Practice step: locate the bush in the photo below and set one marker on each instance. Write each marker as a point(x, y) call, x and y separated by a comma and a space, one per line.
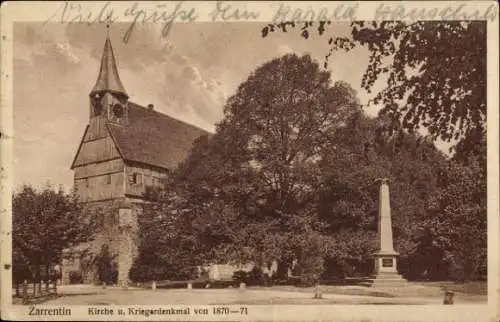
point(142, 271)
point(283, 281)
point(256, 276)
point(114, 276)
point(223, 284)
point(307, 280)
point(75, 277)
point(311, 270)
point(241, 276)
point(105, 265)
point(137, 273)
point(145, 273)
point(457, 273)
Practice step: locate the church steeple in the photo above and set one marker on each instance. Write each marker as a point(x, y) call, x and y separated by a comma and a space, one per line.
point(108, 79)
point(108, 99)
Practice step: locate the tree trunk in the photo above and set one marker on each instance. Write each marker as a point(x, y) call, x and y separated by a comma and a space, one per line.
point(36, 279)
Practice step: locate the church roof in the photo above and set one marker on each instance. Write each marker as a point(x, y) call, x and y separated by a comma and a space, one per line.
point(108, 79)
point(154, 138)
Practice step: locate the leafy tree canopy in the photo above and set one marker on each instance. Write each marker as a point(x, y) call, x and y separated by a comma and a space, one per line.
point(435, 71)
point(289, 176)
point(43, 224)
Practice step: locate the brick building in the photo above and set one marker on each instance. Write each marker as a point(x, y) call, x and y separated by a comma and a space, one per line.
point(125, 148)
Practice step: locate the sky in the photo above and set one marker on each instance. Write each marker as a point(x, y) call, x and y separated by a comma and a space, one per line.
point(188, 75)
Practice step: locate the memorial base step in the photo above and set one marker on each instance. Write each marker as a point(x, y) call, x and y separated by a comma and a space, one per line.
point(385, 280)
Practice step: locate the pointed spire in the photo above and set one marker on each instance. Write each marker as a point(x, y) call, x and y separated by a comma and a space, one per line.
point(108, 79)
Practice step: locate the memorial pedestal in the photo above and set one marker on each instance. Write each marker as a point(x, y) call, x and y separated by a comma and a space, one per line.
point(386, 273)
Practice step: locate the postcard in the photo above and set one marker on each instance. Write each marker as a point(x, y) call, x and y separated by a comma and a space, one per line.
point(250, 161)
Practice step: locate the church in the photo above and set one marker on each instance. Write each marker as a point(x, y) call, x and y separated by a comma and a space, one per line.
point(125, 148)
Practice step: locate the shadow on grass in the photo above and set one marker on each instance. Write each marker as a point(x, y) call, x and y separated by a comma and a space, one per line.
point(471, 288)
point(380, 294)
point(78, 294)
point(33, 301)
point(43, 299)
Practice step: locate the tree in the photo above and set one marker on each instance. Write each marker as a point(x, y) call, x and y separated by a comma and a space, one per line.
point(169, 246)
point(43, 224)
point(289, 176)
point(348, 205)
point(249, 190)
point(454, 227)
point(433, 80)
point(275, 128)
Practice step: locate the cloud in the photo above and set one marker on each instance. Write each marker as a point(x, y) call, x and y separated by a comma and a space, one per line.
point(285, 49)
point(191, 73)
point(205, 95)
point(44, 46)
point(188, 89)
point(179, 59)
point(68, 52)
point(177, 86)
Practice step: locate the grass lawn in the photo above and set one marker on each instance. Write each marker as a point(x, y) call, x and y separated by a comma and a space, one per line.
point(415, 294)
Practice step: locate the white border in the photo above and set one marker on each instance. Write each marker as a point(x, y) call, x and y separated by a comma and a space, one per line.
point(40, 11)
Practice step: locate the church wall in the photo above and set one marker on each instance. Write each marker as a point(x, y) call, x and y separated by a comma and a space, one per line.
point(128, 240)
point(97, 129)
point(79, 257)
point(138, 177)
point(97, 151)
point(118, 228)
point(99, 187)
point(96, 169)
point(119, 232)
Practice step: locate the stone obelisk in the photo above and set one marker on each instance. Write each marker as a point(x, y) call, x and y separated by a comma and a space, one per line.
point(386, 273)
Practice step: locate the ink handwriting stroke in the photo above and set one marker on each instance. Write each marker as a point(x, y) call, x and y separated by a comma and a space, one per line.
point(165, 13)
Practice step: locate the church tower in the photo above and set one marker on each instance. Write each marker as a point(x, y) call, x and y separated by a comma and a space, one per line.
point(108, 98)
point(124, 149)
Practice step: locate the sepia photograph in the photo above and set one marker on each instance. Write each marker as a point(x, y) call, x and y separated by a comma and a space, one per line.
point(222, 165)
